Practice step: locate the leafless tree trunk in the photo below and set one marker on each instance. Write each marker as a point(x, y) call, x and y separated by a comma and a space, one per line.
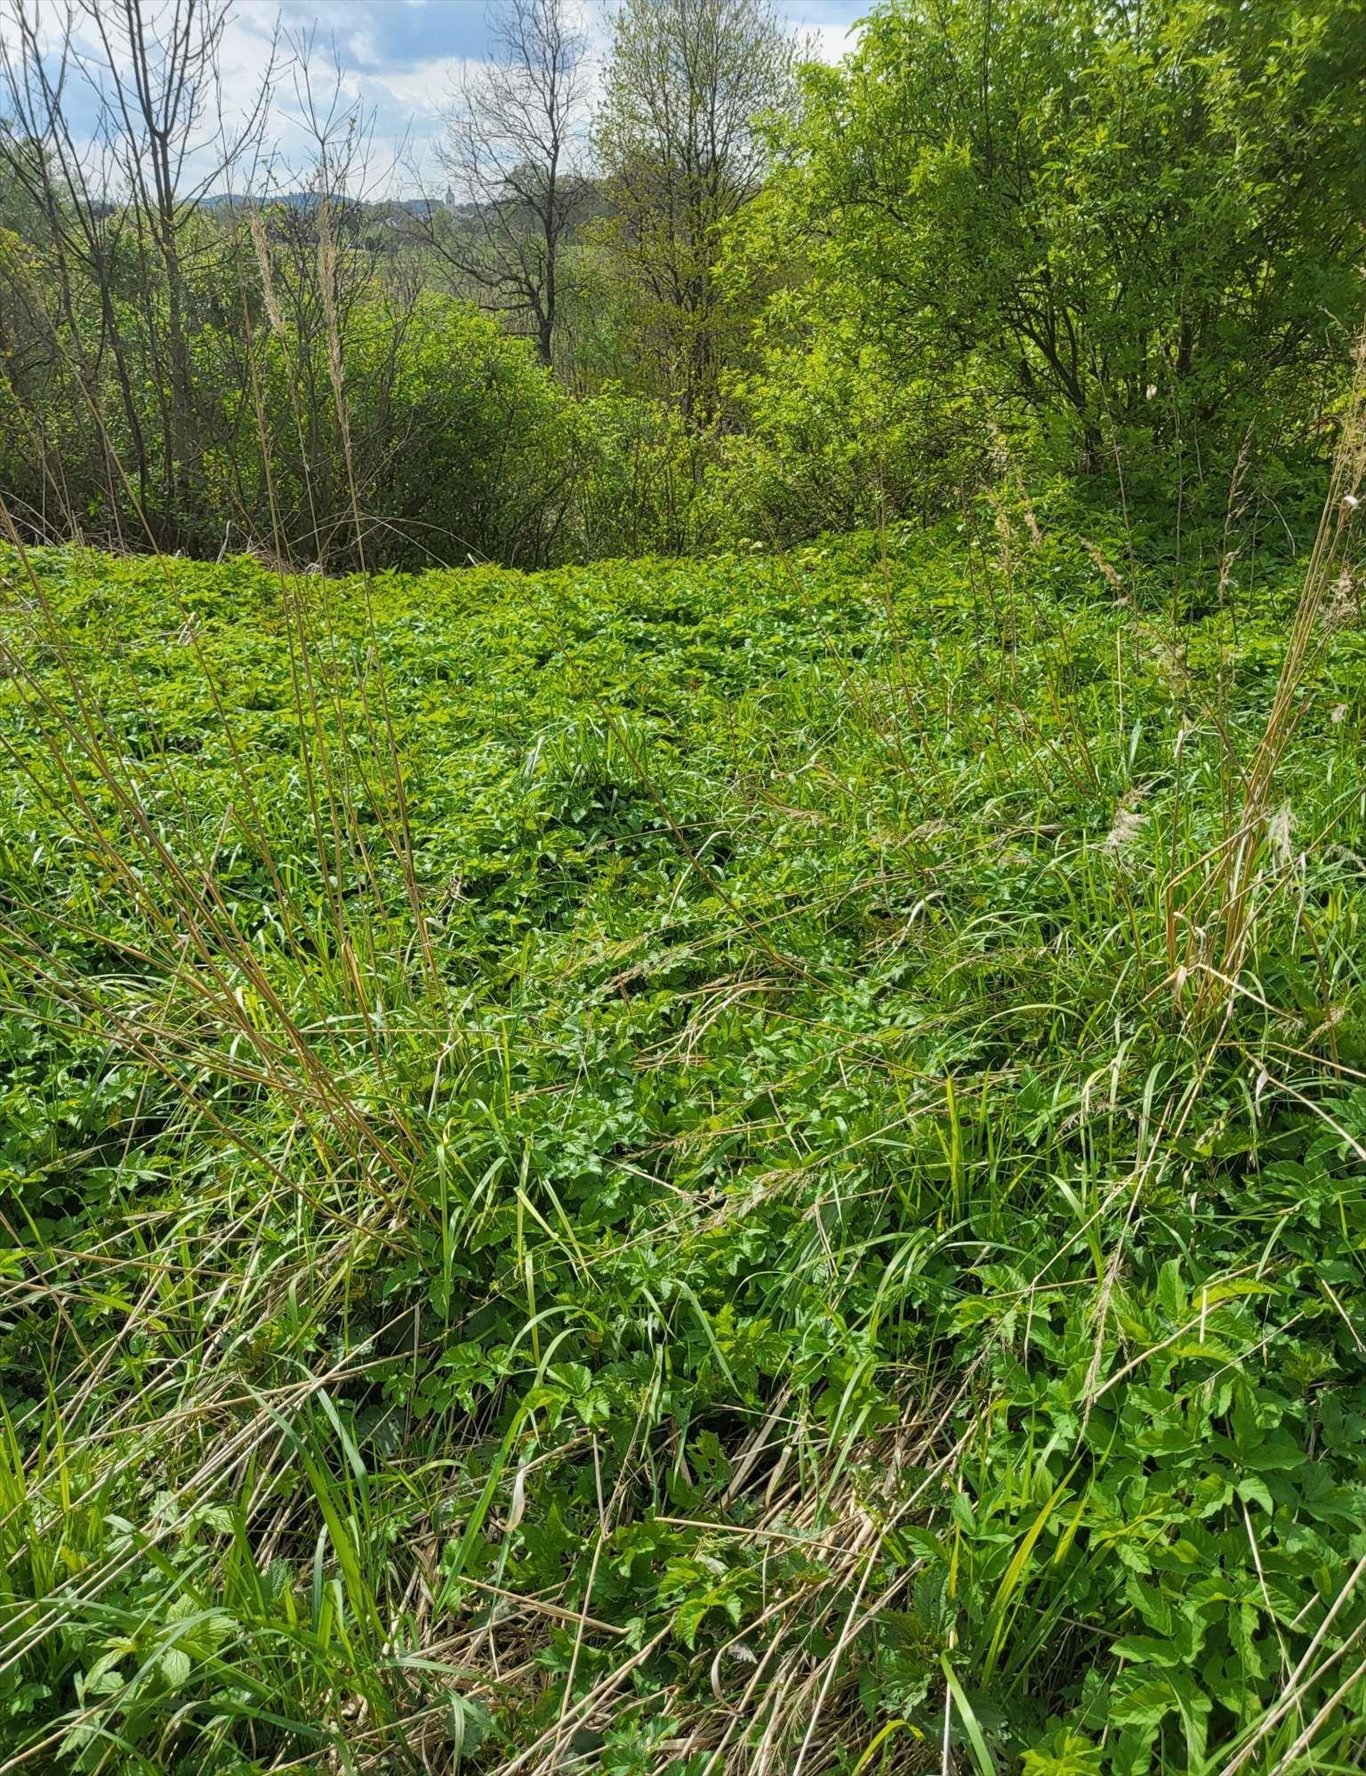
point(514, 152)
point(162, 121)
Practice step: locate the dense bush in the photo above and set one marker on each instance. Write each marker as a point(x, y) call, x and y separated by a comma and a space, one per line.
point(1108, 243)
point(461, 445)
point(647, 479)
point(413, 420)
point(1129, 235)
point(834, 439)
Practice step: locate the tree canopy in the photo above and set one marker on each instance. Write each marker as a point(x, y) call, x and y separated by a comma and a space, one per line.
point(1141, 222)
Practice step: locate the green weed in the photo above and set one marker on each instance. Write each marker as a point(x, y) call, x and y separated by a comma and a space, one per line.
point(616, 1170)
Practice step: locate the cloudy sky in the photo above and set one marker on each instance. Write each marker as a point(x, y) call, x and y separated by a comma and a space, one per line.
point(401, 58)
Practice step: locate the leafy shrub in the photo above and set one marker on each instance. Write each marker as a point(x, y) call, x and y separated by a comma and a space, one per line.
point(1133, 230)
point(459, 442)
point(834, 441)
point(643, 485)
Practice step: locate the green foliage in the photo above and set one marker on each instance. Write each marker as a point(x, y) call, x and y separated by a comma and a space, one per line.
point(1120, 244)
point(461, 443)
point(834, 440)
point(450, 443)
point(685, 89)
point(648, 480)
point(611, 1164)
point(1134, 229)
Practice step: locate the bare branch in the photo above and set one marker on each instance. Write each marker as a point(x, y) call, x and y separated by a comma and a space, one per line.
point(515, 153)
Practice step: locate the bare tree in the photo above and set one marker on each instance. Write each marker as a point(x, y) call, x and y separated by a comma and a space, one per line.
point(322, 289)
point(119, 200)
point(514, 152)
point(163, 123)
point(679, 137)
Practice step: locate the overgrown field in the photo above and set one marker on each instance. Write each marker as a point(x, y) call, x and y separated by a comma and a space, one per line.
point(696, 1167)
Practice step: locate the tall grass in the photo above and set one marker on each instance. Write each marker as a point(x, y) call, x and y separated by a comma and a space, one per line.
point(1330, 595)
point(604, 1171)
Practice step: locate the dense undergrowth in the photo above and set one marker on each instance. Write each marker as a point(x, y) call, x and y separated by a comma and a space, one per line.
point(652, 1168)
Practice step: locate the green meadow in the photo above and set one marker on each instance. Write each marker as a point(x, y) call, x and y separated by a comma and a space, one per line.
point(741, 1163)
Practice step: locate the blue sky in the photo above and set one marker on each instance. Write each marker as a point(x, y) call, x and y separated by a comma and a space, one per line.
point(403, 57)
point(401, 60)
point(404, 36)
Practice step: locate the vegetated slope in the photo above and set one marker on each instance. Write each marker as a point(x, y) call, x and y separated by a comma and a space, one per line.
point(639, 1169)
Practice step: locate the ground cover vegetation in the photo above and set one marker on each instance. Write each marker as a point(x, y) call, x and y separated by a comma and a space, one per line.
point(748, 1164)
point(682, 1030)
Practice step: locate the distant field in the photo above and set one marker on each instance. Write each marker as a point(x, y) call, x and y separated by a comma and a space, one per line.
point(652, 1165)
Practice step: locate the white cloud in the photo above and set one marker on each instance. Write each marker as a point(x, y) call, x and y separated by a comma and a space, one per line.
point(399, 60)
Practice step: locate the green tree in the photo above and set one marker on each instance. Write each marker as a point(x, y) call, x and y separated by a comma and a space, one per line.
point(687, 85)
point(1140, 224)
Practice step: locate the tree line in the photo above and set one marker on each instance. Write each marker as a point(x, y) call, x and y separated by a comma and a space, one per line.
point(721, 292)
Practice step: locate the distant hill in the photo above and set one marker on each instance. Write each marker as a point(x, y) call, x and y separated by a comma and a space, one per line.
point(308, 200)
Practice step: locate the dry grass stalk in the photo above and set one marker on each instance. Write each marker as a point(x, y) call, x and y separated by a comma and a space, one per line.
point(1217, 953)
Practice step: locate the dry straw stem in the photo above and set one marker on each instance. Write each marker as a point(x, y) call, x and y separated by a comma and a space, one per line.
point(1220, 947)
point(262, 250)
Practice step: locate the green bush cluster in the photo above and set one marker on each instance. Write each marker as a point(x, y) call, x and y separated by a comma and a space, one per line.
point(1127, 240)
point(1116, 246)
point(430, 434)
